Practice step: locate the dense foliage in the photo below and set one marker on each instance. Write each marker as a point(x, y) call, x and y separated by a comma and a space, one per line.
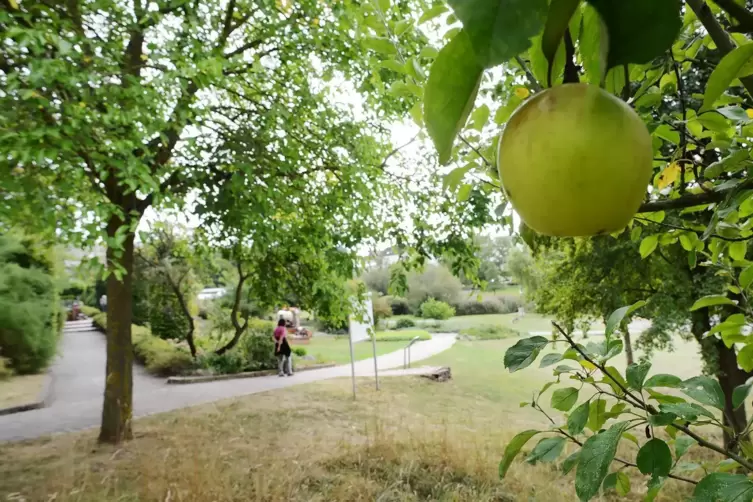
point(30, 319)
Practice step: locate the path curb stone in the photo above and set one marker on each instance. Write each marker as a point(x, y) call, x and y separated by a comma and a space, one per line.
point(183, 380)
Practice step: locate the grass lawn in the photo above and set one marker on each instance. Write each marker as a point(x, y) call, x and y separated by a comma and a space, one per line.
point(337, 350)
point(403, 335)
point(414, 440)
point(20, 390)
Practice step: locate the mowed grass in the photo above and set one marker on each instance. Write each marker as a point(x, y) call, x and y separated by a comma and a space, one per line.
point(335, 349)
point(20, 390)
point(414, 440)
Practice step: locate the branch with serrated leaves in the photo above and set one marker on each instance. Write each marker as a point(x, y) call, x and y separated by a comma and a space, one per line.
point(638, 403)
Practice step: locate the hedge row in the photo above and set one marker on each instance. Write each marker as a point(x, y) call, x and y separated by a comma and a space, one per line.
point(490, 332)
point(159, 356)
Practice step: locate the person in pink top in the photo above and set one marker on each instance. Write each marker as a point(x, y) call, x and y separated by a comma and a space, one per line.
point(282, 349)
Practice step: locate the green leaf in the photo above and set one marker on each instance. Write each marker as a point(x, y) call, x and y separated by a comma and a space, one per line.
point(725, 72)
point(618, 315)
point(661, 419)
point(710, 301)
point(593, 47)
point(746, 277)
point(648, 245)
point(723, 486)
point(557, 22)
point(740, 394)
point(547, 450)
point(432, 13)
point(512, 450)
point(454, 177)
point(654, 487)
point(613, 379)
point(705, 390)
point(597, 415)
point(636, 375)
point(745, 358)
point(464, 192)
point(663, 398)
point(655, 458)
point(480, 117)
point(500, 29)
point(617, 481)
point(381, 45)
point(595, 457)
point(682, 445)
point(577, 420)
point(737, 250)
point(523, 353)
point(663, 380)
point(564, 399)
point(639, 30)
point(550, 359)
point(570, 462)
point(450, 93)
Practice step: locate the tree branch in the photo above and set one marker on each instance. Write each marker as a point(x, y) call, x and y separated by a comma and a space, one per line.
point(691, 200)
point(243, 48)
point(531, 79)
point(571, 69)
point(638, 403)
point(717, 34)
point(743, 16)
point(676, 227)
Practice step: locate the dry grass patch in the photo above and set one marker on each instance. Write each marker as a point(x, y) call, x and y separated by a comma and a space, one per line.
point(19, 390)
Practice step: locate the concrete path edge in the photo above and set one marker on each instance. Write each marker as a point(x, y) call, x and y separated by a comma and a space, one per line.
point(184, 380)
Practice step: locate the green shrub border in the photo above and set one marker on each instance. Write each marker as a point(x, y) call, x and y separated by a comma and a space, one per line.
point(159, 356)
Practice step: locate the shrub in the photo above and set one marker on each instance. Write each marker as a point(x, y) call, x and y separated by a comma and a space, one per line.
point(399, 305)
point(490, 332)
point(435, 309)
point(258, 351)
point(232, 361)
point(5, 369)
point(166, 317)
point(28, 318)
point(434, 282)
point(381, 308)
point(299, 351)
point(159, 356)
point(499, 305)
point(405, 322)
point(89, 311)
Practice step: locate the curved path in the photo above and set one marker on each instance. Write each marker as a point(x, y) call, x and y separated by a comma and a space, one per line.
point(76, 393)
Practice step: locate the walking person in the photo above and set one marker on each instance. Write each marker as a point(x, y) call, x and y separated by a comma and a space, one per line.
point(282, 350)
point(103, 303)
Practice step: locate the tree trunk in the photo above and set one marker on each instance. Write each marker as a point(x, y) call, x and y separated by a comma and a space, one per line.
point(186, 312)
point(239, 328)
point(723, 360)
point(118, 399)
point(628, 346)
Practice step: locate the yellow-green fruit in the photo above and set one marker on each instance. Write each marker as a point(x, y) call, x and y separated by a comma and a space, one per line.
point(574, 160)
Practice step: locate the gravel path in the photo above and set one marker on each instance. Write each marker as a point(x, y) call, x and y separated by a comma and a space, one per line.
point(79, 373)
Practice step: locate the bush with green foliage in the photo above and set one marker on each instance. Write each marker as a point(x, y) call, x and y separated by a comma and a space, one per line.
point(232, 361)
point(90, 311)
point(497, 305)
point(161, 357)
point(299, 351)
point(29, 307)
point(435, 309)
point(381, 308)
point(435, 282)
point(490, 332)
point(405, 322)
point(5, 369)
point(399, 305)
point(166, 317)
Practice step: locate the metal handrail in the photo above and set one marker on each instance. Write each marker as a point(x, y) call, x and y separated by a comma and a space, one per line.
point(406, 352)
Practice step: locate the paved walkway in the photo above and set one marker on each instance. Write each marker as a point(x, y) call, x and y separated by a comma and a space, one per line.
point(79, 373)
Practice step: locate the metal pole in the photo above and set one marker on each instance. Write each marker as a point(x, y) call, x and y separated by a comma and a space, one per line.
point(376, 371)
point(352, 365)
